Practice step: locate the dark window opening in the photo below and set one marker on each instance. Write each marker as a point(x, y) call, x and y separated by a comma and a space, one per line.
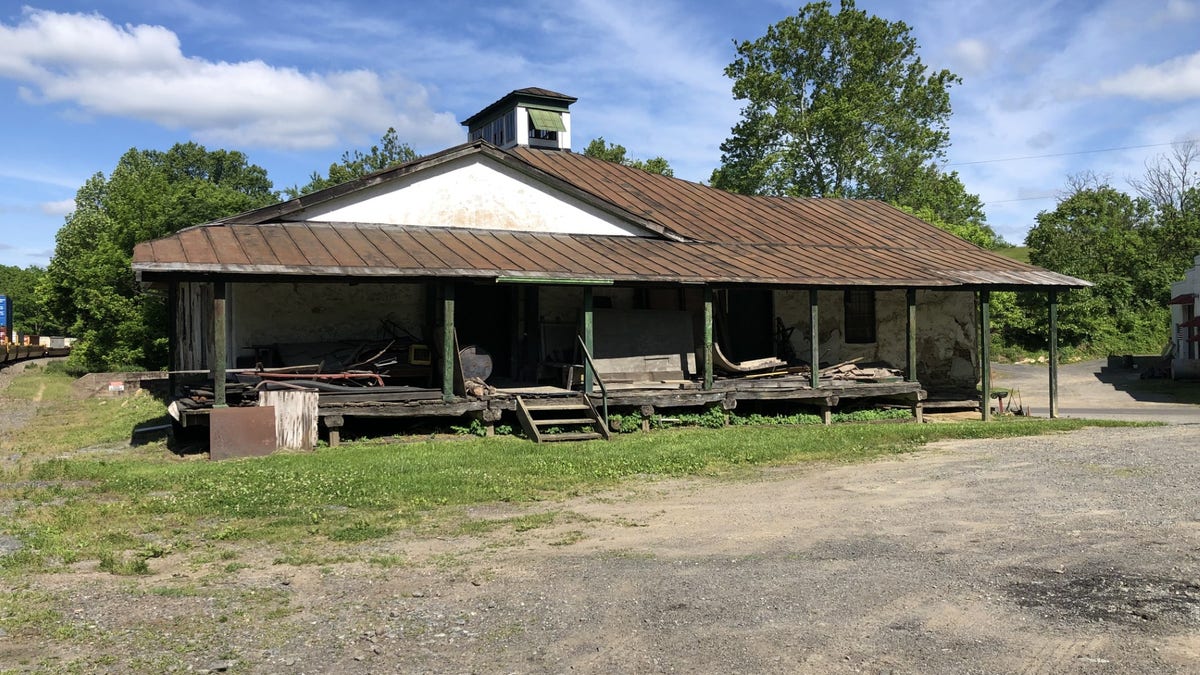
point(860, 316)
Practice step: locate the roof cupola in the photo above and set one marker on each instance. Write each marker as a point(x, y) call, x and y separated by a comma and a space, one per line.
point(533, 117)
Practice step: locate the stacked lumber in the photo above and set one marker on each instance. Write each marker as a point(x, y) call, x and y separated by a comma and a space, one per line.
point(475, 386)
point(867, 372)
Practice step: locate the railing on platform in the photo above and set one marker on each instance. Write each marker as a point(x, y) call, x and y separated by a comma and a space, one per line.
point(599, 380)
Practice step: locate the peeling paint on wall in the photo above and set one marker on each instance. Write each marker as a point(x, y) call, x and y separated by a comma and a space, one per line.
point(266, 314)
point(472, 192)
point(946, 352)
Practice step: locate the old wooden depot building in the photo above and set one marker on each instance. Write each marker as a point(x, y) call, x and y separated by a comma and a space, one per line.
point(511, 274)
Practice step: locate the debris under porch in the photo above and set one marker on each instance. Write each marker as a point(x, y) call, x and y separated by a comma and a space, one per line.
point(495, 405)
point(340, 406)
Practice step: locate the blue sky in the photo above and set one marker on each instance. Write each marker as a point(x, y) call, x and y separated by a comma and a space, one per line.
point(1064, 86)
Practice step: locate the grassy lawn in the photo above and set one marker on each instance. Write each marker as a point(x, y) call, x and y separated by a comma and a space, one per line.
point(1018, 253)
point(120, 506)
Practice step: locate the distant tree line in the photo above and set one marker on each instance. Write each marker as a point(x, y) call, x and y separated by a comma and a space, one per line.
point(1131, 246)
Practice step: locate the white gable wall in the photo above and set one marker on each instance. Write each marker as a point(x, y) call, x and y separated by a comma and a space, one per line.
point(472, 192)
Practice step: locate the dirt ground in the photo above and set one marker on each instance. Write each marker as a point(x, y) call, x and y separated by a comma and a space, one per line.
point(1072, 553)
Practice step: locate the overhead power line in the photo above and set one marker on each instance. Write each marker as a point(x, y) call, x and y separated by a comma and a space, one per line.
point(1068, 154)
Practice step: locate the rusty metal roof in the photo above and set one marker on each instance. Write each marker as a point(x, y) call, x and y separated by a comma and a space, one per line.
point(702, 235)
point(381, 251)
point(702, 213)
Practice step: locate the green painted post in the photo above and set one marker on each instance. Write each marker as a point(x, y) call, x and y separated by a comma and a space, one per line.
point(588, 334)
point(448, 354)
point(814, 332)
point(1053, 354)
point(911, 335)
point(708, 338)
point(220, 345)
point(985, 351)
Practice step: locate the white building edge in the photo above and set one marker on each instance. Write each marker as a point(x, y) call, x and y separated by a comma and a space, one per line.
point(1185, 324)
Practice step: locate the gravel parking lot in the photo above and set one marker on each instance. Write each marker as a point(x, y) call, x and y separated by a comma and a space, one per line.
point(1075, 553)
point(1071, 553)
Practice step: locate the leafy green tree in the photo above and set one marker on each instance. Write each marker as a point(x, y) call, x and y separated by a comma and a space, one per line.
point(89, 287)
point(29, 314)
point(837, 105)
point(389, 152)
point(944, 196)
point(612, 152)
point(1112, 240)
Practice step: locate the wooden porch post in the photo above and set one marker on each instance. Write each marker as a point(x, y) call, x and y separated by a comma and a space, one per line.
point(220, 345)
point(708, 338)
point(911, 336)
point(448, 354)
point(172, 336)
point(1053, 354)
point(588, 335)
point(985, 352)
point(814, 347)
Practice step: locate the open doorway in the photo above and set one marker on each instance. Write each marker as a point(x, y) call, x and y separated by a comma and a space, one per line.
point(745, 323)
point(485, 317)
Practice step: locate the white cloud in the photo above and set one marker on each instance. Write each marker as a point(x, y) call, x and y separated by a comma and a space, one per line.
point(970, 56)
point(1179, 10)
point(61, 207)
point(141, 72)
point(1174, 80)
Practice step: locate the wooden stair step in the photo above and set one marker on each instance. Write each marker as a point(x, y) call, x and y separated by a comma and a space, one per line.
point(575, 436)
point(555, 406)
point(573, 421)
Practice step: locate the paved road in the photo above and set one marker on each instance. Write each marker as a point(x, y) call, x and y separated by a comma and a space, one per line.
point(1089, 390)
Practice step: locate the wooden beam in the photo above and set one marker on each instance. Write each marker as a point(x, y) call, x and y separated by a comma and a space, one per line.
point(1053, 353)
point(220, 345)
point(429, 409)
point(814, 332)
point(985, 352)
point(588, 336)
point(172, 336)
point(910, 373)
point(708, 338)
point(448, 354)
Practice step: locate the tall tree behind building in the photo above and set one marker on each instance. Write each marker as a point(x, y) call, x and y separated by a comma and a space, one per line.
point(840, 105)
point(355, 164)
point(612, 152)
point(89, 287)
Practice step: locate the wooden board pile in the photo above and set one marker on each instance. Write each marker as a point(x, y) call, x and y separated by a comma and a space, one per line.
point(866, 372)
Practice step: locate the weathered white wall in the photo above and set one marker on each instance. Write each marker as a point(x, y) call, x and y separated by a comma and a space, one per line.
point(264, 314)
point(475, 192)
point(946, 352)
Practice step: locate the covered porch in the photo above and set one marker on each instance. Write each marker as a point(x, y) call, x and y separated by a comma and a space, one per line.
point(481, 348)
